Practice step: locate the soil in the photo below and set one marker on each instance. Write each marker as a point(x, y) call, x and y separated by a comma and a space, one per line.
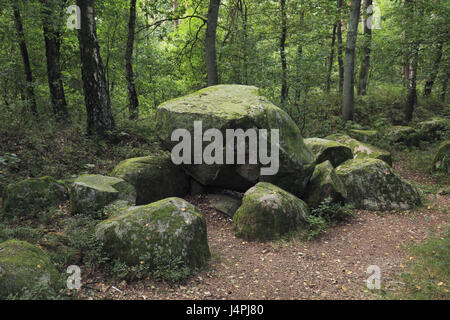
point(331, 267)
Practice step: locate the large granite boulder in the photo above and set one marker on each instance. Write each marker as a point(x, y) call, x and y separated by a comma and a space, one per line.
point(330, 150)
point(433, 129)
point(29, 197)
point(373, 185)
point(226, 204)
point(407, 136)
point(23, 266)
point(268, 212)
point(366, 136)
point(90, 193)
point(156, 234)
point(154, 177)
point(362, 150)
point(225, 107)
point(324, 184)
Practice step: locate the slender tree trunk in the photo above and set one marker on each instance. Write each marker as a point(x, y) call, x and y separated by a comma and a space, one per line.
point(406, 56)
point(25, 58)
point(100, 119)
point(133, 102)
point(210, 43)
point(430, 82)
point(244, 14)
point(340, 46)
point(284, 84)
point(411, 97)
point(331, 58)
point(365, 61)
point(349, 68)
point(52, 46)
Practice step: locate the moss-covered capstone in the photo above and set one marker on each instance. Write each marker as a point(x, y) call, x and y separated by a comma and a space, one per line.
point(32, 196)
point(237, 107)
point(367, 136)
point(362, 150)
point(268, 212)
point(324, 184)
point(402, 135)
point(333, 151)
point(433, 129)
point(154, 177)
point(224, 203)
point(23, 265)
point(373, 185)
point(441, 161)
point(92, 192)
point(171, 229)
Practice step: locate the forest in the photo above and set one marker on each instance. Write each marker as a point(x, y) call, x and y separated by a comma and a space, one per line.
point(352, 94)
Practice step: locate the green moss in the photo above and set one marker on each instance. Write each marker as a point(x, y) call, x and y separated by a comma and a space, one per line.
point(31, 196)
point(330, 150)
point(23, 265)
point(90, 193)
point(268, 212)
point(372, 184)
point(362, 150)
point(154, 177)
point(171, 226)
point(325, 184)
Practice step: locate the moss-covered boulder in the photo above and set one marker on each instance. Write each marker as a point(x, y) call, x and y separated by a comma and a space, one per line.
point(324, 184)
point(373, 185)
point(268, 212)
point(330, 150)
point(367, 136)
point(29, 197)
point(237, 107)
point(162, 232)
point(92, 192)
point(407, 136)
point(433, 129)
point(226, 204)
point(362, 150)
point(23, 265)
point(441, 161)
point(154, 177)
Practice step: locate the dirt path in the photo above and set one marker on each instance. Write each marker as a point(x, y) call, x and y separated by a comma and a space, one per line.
point(331, 267)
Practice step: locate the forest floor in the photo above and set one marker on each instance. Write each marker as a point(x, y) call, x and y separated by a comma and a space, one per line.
point(332, 266)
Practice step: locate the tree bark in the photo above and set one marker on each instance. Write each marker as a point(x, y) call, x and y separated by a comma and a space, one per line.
point(349, 67)
point(100, 119)
point(411, 97)
point(430, 82)
point(365, 61)
point(340, 46)
point(52, 54)
point(210, 43)
point(331, 58)
point(25, 58)
point(284, 84)
point(133, 102)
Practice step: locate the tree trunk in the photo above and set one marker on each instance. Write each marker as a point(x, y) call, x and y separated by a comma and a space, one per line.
point(365, 61)
point(25, 58)
point(100, 119)
point(411, 97)
point(133, 102)
point(244, 14)
point(210, 43)
point(349, 67)
point(430, 82)
point(406, 58)
point(52, 46)
point(340, 46)
point(331, 59)
point(444, 87)
point(284, 84)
